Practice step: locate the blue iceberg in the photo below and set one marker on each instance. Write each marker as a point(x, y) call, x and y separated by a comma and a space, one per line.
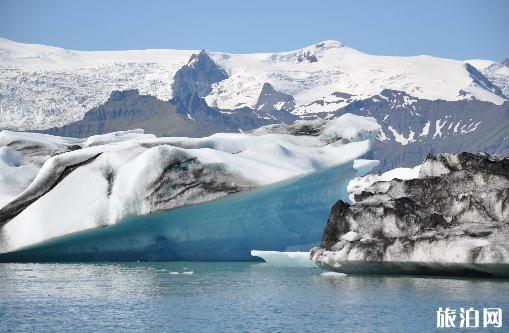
point(287, 215)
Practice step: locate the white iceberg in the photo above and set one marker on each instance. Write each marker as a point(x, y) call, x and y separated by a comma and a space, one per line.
point(212, 198)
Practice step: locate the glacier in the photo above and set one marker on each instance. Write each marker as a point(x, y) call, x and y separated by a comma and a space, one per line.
point(133, 196)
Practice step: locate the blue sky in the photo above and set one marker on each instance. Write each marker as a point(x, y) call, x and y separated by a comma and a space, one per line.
point(447, 28)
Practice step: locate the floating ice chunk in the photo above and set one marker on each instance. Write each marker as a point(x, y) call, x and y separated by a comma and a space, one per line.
point(364, 166)
point(174, 273)
point(188, 272)
point(350, 128)
point(333, 274)
point(277, 258)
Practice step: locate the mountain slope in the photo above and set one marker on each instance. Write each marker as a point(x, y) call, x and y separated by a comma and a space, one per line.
point(412, 127)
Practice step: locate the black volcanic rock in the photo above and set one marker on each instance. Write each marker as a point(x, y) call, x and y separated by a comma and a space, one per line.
point(197, 76)
point(452, 219)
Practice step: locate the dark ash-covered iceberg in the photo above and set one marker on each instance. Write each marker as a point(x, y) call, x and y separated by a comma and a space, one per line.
point(453, 219)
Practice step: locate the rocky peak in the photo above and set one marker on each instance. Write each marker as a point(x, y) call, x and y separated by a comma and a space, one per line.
point(483, 81)
point(118, 95)
point(197, 76)
point(271, 99)
point(505, 62)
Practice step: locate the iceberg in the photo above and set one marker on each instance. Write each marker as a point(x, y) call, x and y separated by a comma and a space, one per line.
point(285, 259)
point(133, 196)
point(452, 218)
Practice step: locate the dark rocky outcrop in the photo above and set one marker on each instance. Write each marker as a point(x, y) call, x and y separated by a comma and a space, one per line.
point(482, 81)
point(126, 110)
point(452, 219)
point(270, 99)
point(197, 76)
point(189, 116)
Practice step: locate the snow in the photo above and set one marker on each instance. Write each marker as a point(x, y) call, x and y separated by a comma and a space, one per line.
point(438, 127)
point(21, 157)
point(278, 105)
point(338, 69)
point(401, 138)
point(44, 86)
point(351, 236)
point(480, 64)
point(54, 86)
point(125, 174)
point(114, 137)
point(359, 184)
point(277, 258)
point(15, 175)
point(425, 129)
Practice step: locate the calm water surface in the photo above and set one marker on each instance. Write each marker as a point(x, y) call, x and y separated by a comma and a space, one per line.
point(228, 297)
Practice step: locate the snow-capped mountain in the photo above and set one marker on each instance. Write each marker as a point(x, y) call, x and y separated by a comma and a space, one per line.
point(43, 86)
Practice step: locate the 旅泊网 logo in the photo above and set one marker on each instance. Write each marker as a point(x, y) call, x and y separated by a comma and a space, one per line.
point(469, 317)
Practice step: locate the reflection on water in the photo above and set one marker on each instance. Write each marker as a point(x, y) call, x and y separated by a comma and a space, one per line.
point(227, 297)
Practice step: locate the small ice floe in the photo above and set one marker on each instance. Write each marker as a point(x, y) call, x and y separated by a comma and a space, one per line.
point(185, 272)
point(284, 259)
point(333, 274)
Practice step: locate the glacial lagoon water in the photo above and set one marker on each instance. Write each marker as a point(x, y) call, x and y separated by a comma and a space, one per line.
point(230, 297)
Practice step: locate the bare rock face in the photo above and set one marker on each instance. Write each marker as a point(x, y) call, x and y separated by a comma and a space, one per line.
point(197, 76)
point(453, 219)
